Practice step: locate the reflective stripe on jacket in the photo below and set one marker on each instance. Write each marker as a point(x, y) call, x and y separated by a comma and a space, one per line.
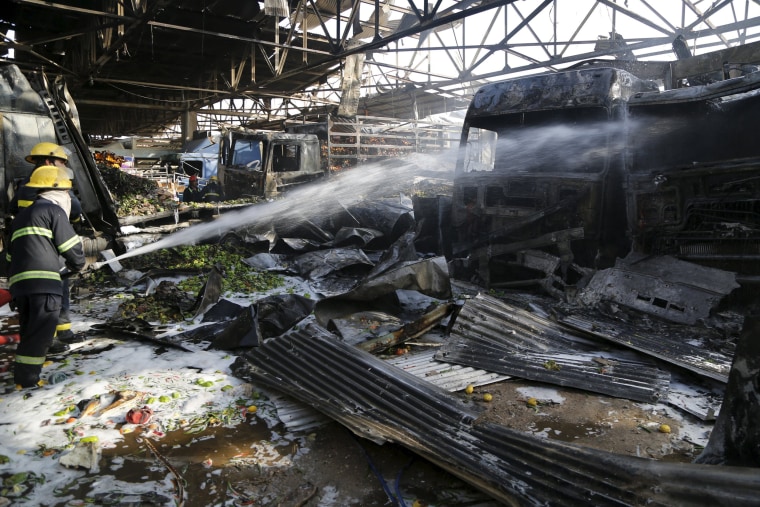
point(40, 235)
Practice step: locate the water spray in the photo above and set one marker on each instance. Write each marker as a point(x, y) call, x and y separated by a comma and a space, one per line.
point(315, 199)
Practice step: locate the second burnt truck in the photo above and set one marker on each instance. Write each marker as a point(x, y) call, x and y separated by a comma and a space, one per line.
point(590, 164)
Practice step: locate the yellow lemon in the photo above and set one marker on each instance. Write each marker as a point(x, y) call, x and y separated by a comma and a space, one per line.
point(487, 397)
point(664, 428)
point(252, 409)
point(469, 389)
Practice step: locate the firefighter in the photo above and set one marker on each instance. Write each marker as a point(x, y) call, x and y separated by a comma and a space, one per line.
point(51, 154)
point(212, 192)
point(192, 193)
point(43, 245)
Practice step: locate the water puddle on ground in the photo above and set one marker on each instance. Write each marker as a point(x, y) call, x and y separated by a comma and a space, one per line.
point(201, 462)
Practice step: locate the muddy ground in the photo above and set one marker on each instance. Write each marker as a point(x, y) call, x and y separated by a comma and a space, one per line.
point(337, 468)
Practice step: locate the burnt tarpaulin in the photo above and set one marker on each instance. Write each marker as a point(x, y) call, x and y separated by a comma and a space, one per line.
point(229, 326)
point(381, 402)
point(211, 291)
point(358, 327)
point(258, 235)
point(392, 217)
point(428, 276)
point(355, 237)
point(278, 313)
point(402, 250)
point(269, 262)
point(314, 265)
point(296, 245)
point(495, 336)
point(301, 227)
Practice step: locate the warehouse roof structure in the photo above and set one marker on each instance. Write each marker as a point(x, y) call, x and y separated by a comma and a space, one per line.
point(134, 67)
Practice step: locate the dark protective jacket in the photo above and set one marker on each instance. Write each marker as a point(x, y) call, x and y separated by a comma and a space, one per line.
point(192, 195)
point(212, 192)
point(40, 235)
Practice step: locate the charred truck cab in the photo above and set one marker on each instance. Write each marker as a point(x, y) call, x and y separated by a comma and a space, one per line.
point(541, 169)
point(562, 172)
point(265, 164)
point(693, 171)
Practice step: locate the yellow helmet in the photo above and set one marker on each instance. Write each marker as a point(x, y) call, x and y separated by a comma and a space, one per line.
point(50, 177)
point(46, 150)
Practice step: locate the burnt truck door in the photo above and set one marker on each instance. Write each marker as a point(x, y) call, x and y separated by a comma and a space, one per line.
point(268, 163)
point(538, 183)
point(242, 168)
point(293, 159)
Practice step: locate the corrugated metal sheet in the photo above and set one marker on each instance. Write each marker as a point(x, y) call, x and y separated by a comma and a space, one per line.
point(671, 348)
point(377, 400)
point(495, 336)
point(448, 376)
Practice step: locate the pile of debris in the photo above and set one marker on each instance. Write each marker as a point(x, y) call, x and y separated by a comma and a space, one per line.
point(374, 294)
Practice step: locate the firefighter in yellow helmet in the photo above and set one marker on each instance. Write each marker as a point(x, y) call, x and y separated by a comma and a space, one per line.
point(51, 154)
point(41, 154)
point(43, 246)
point(212, 192)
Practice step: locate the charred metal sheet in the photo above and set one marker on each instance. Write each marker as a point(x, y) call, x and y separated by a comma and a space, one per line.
point(359, 326)
point(672, 348)
point(502, 338)
point(297, 416)
point(735, 439)
point(408, 331)
point(378, 401)
point(448, 376)
point(140, 330)
point(663, 286)
point(699, 397)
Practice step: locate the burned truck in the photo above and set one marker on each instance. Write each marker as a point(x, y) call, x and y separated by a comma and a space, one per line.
point(36, 110)
point(265, 164)
point(564, 172)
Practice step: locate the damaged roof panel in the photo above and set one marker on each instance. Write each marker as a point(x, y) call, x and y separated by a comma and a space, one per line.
point(498, 337)
point(671, 348)
point(373, 398)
